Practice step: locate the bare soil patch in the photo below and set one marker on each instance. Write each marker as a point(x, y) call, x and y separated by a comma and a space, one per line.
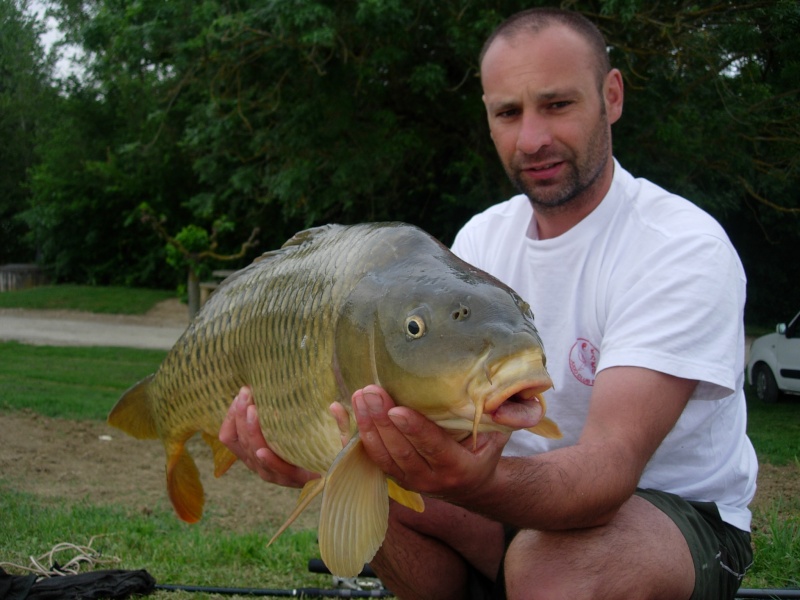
point(74, 461)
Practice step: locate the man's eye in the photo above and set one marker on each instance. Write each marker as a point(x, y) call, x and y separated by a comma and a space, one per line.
point(561, 104)
point(513, 112)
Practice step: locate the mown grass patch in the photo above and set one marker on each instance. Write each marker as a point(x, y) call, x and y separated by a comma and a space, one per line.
point(70, 382)
point(109, 300)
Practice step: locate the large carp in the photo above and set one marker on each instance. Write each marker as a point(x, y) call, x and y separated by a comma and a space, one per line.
point(335, 309)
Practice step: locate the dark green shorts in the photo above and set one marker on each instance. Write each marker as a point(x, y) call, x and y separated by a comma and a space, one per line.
point(721, 553)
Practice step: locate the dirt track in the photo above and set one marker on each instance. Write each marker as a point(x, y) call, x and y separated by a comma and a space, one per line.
point(158, 329)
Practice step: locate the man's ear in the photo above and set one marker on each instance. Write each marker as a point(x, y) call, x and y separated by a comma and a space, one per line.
point(613, 95)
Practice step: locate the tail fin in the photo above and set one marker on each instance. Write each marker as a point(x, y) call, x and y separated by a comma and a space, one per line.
point(132, 413)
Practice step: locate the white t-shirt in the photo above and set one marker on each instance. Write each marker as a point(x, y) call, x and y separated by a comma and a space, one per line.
point(648, 280)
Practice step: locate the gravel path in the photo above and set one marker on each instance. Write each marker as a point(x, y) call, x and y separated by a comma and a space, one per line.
point(158, 329)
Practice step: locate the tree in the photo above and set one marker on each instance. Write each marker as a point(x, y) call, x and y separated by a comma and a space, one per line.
point(106, 152)
point(283, 114)
point(193, 249)
point(25, 95)
point(712, 112)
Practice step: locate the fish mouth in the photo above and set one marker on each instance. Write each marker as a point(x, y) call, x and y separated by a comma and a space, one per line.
point(508, 394)
point(521, 409)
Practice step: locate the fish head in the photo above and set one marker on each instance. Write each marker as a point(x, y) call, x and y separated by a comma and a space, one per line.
point(453, 343)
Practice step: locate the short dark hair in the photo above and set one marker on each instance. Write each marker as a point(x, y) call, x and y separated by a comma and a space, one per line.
point(535, 20)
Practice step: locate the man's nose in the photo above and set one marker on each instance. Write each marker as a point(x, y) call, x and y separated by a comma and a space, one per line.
point(534, 133)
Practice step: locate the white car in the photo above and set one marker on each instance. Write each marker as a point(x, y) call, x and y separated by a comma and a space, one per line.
point(774, 363)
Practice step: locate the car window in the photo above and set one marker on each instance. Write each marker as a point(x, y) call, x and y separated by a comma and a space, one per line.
point(793, 330)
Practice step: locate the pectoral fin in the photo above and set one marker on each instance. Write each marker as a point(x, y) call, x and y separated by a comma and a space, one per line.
point(408, 499)
point(355, 511)
point(546, 428)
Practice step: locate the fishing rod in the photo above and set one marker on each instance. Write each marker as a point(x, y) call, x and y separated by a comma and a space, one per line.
point(280, 593)
point(775, 594)
point(350, 587)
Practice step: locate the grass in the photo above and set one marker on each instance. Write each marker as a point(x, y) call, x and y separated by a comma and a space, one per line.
point(108, 300)
point(171, 551)
point(70, 382)
point(776, 540)
point(83, 383)
point(775, 430)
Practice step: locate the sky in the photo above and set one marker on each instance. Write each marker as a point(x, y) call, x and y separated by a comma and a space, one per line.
point(64, 66)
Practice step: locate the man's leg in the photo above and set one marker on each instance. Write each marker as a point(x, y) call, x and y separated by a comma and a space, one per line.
point(640, 554)
point(429, 555)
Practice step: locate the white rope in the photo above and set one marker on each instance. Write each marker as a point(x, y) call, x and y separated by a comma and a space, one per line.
point(82, 555)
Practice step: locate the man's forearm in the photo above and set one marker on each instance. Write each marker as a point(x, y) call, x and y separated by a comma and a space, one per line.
point(562, 489)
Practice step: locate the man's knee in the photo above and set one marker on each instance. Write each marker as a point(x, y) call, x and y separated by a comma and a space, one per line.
point(640, 554)
point(536, 566)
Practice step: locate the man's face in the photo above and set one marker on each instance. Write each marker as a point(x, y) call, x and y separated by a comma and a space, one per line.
point(549, 121)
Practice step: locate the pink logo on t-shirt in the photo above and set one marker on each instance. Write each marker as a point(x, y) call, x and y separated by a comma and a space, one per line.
point(583, 361)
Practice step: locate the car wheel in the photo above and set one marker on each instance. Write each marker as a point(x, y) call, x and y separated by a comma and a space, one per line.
point(766, 388)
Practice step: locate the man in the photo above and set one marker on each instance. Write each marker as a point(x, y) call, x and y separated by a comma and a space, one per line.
point(640, 301)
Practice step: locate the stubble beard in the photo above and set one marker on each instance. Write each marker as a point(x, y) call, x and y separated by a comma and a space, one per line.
point(579, 179)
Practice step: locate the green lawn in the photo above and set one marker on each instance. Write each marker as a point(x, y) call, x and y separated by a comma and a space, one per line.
point(70, 382)
point(775, 430)
point(109, 300)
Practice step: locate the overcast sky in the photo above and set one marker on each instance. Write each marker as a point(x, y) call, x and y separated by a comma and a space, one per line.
point(64, 66)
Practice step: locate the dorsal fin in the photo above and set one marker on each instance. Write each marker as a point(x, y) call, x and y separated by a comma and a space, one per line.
point(298, 239)
point(306, 235)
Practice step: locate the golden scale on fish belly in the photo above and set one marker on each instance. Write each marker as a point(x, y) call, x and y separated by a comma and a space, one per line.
point(335, 309)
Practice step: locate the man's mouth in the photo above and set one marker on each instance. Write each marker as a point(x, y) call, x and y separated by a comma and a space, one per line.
point(543, 171)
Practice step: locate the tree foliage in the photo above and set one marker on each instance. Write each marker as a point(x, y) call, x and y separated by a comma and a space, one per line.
point(283, 114)
point(194, 250)
point(25, 96)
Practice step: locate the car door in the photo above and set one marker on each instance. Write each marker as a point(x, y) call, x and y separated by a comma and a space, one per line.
point(787, 352)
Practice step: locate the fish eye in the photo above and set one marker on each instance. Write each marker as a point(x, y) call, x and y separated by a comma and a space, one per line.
point(415, 327)
point(461, 313)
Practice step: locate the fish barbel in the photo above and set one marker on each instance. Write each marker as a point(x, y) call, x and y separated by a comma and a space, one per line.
point(335, 309)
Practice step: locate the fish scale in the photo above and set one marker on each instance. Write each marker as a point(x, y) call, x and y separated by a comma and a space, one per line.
point(335, 309)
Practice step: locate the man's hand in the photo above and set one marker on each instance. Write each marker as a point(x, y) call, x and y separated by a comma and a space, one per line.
point(241, 433)
point(420, 455)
